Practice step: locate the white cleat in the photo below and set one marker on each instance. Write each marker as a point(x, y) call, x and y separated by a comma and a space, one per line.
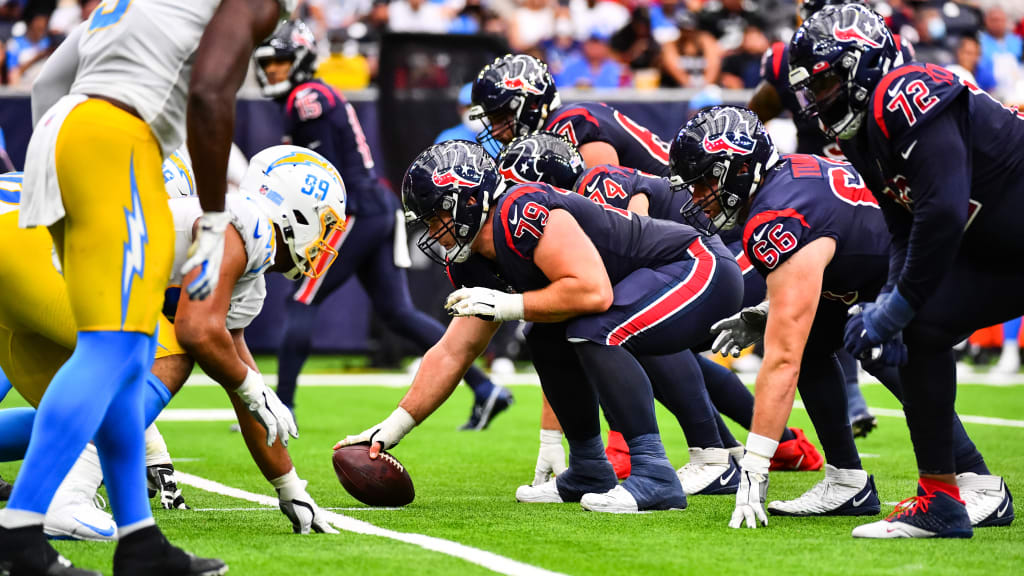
point(840, 493)
point(618, 500)
point(76, 511)
point(988, 501)
point(737, 452)
point(709, 471)
point(546, 493)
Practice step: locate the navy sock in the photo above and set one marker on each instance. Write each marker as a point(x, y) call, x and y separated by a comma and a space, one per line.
point(823, 390)
point(479, 383)
point(678, 384)
point(295, 347)
point(589, 470)
point(787, 435)
point(155, 398)
point(856, 405)
point(968, 458)
point(652, 480)
point(728, 440)
point(570, 393)
point(15, 432)
point(728, 394)
point(622, 385)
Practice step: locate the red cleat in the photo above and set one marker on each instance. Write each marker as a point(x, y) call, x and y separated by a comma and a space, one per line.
point(797, 454)
point(617, 452)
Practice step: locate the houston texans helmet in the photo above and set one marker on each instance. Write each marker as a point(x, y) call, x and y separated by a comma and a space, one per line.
point(809, 7)
point(836, 59)
point(292, 42)
point(540, 157)
point(727, 150)
point(513, 96)
point(452, 185)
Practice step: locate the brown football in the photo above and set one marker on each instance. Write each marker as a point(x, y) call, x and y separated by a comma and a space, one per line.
point(380, 482)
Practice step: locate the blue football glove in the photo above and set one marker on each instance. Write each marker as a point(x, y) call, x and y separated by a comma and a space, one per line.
point(891, 353)
point(876, 323)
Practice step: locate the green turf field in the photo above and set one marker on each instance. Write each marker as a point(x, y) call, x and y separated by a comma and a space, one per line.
point(465, 484)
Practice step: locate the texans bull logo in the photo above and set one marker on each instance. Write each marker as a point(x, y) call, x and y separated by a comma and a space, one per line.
point(450, 178)
point(852, 33)
point(520, 83)
point(731, 143)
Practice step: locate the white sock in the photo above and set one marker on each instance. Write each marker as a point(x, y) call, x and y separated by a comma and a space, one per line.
point(12, 519)
point(156, 448)
point(85, 477)
point(289, 486)
point(123, 531)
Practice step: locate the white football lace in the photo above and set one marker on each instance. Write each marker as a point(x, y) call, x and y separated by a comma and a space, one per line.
point(391, 459)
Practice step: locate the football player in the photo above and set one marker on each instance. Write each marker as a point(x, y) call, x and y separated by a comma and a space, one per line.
point(932, 148)
point(601, 286)
point(108, 107)
point(318, 117)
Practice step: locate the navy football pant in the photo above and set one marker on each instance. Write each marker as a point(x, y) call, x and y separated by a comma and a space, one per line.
point(366, 250)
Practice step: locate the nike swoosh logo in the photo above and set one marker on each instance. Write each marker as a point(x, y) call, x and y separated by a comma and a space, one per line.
point(514, 219)
point(256, 233)
point(1006, 505)
point(725, 479)
point(759, 234)
point(896, 88)
point(857, 503)
point(108, 532)
point(906, 153)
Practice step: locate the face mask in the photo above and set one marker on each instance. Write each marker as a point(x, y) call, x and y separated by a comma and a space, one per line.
point(474, 125)
point(937, 28)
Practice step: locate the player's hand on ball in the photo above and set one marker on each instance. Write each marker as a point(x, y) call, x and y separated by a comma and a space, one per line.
point(551, 458)
point(486, 304)
point(740, 331)
point(206, 253)
point(267, 409)
point(385, 435)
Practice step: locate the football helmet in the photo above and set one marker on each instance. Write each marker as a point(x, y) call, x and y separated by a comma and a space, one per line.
point(540, 157)
point(304, 196)
point(178, 178)
point(836, 59)
point(727, 149)
point(809, 7)
point(293, 42)
point(516, 90)
point(457, 177)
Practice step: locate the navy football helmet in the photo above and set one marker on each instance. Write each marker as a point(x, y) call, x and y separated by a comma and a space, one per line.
point(809, 7)
point(540, 157)
point(835, 61)
point(292, 42)
point(458, 178)
point(518, 93)
point(728, 150)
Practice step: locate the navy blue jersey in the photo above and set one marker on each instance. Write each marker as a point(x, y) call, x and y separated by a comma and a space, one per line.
point(319, 118)
point(942, 157)
point(477, 271)
point(636, 146)
point(625, 241)
point(616, 185)
point(809, 197)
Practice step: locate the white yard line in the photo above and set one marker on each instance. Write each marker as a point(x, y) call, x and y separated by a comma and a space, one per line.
point(963, 417)
point(488, 560)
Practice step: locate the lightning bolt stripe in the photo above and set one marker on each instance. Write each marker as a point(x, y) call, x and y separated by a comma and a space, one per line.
point(178, 161)
point(305, 158)
point(10, 188)
point(134, 259)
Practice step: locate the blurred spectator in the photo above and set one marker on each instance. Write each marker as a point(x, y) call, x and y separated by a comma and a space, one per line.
point(603, 17)
point(417, 16)
point(931, 45)
point(593, 68)
point(70, 13)
point(469, 20)
point(726, 20)
point(693, 59)
point(968, 64)
point(1000, 51)
point(344, 68)
point(26, 50)
point(328, 15)
point(663, 20)
point(467, 129)
point(742, 69)
point(561, 48)
point(532, 23)
point(634, 44)
point(367, 32)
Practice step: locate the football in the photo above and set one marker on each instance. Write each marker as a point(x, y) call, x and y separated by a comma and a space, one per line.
point(380, 482)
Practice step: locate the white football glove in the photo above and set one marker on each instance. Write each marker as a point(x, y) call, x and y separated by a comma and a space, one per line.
point(753, 488)
point(551, 458)
point(484, 303)
point(740, 331)
point(300, 508)
point(388, 433)
point(206, 253)
point(267, 408)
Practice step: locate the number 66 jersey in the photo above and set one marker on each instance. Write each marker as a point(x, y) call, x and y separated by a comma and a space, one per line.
point(807, 197)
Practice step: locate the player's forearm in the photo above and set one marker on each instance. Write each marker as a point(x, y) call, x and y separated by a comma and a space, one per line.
point(438, 375)
point(773, 395)
point(211, 124)
point(214, 350)
point(567, 298)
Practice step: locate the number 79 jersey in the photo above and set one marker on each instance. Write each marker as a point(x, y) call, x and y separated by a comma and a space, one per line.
point(808, 197)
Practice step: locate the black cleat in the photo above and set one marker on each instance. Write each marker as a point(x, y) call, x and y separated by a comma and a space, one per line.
point(863, 425)
point(5, 490)
point(26, 552)
point(485, 409)
point(160, 479)
point(147, 552)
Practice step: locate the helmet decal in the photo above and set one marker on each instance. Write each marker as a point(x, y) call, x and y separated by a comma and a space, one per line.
point(852, 33)
point(729, 142)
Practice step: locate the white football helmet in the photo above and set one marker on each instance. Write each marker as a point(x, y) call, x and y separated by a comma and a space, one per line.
point(304, 196)
point(178, 178)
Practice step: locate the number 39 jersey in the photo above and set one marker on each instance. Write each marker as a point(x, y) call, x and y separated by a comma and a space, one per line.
point(636, 146)
point(809, 197)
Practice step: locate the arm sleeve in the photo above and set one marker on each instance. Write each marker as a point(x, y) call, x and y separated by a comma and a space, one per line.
point(58, 74)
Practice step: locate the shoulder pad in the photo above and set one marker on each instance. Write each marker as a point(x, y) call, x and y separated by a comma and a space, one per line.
point(522, 215)
point(309, 101)
point(909, 96)
point(576, 123)
point(772, 236)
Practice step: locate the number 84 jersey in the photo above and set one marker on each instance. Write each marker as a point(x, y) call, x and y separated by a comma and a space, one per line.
point(807, 197)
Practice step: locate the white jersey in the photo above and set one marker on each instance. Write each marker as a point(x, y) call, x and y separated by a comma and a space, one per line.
point(258, 237)
point(10, 192)
point(140, 52)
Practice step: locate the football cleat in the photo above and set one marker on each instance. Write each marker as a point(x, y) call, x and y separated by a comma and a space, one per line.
point(797, 454)
point(485, 409)
point(617, 452)
point(26, 551)
point(863, 424)
point(160, 480)
point(710, 471)
point(76, 511)
point(618, 500)
point(840, 493)
point(988, 500)
point(546, 493)
point(147, 551)
point(927, 515)
point(5, 489)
